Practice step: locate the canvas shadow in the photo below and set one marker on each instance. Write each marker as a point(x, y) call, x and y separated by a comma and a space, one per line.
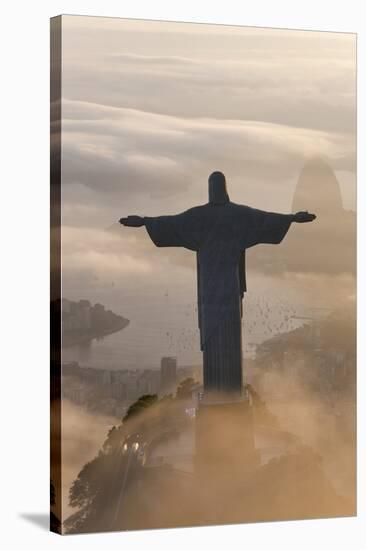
point(40, 520)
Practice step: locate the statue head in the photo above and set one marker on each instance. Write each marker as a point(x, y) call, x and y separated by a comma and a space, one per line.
point(217, 193)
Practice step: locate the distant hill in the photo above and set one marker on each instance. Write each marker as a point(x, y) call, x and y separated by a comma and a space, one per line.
point(82, 321)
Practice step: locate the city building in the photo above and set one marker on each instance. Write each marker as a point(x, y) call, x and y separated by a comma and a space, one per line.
point(168, 375)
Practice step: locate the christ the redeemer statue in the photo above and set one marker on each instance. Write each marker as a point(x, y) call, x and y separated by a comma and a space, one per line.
point(219, 232)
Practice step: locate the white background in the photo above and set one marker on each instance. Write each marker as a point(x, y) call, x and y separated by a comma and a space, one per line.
point(24, 389)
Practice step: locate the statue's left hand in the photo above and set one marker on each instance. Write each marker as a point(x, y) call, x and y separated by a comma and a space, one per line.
point(132, 221)
point(303, 217)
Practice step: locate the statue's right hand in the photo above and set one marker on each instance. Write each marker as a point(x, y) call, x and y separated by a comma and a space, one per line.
point(132, 221)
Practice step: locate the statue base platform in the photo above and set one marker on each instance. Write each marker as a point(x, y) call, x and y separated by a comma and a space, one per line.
point(225, 443)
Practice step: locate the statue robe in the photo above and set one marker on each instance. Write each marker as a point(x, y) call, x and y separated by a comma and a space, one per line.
point(219, 234)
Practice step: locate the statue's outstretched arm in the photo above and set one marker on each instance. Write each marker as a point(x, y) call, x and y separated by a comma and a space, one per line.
point(270, 227)
point(132, 221)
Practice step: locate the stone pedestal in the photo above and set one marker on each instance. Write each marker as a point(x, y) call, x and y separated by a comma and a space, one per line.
point(225, 445)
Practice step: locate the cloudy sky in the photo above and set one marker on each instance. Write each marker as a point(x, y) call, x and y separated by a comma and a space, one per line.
point(149, 110)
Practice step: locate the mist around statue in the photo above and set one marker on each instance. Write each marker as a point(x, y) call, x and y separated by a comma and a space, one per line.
point(143, 472)
point(141, 476)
